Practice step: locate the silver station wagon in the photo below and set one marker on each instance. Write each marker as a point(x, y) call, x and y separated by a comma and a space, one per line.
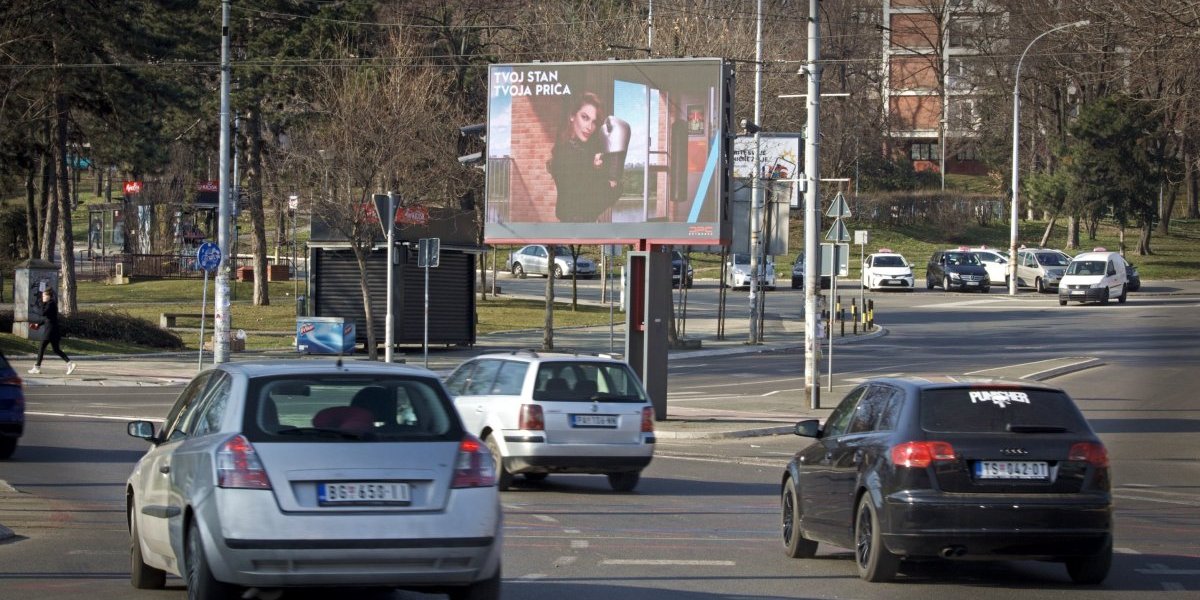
point(314, 473)
point(542, 413)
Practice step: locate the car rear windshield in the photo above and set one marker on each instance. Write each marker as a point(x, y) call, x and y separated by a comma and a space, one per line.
point(571, 381)
point(1000, 410)
point(349, 407)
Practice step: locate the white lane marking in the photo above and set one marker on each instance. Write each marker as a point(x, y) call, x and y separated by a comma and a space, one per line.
point(961, 303)
point(564, 561)
point(579, 544)
point(87, 416)
point(531, 577)
point(1159, 500)
point(545, 518)
point(741, 384)
point(665, 562)
point(1125, 551)
point(1159, 569)
point(740, 461)
point(683, 393)
point(571, 531)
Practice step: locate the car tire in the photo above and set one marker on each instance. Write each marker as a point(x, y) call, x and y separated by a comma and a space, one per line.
point(928, 283)
point(624, 481)
point(503, 477)
point(1091, 570)
point(518, 271)
point(795, 545)
point(1041, 287)
point(535, 476)
point(141, 575)
point(1062, 301)
point(201, 585)
point(8, 445)
point(875, 563)
point(946, 283)
point(1104, 297)
point(487, 589)
point(558, 272)
point(1124, 294)
point(795, 284)
point(985, 289)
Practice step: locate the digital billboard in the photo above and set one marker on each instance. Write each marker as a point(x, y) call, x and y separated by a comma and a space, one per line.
point(779, 158)
point(614, 151)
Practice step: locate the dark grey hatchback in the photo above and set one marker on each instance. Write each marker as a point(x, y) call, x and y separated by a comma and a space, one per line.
point(952, 468)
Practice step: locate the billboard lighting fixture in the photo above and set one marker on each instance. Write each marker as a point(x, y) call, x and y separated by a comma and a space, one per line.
point(749, 127)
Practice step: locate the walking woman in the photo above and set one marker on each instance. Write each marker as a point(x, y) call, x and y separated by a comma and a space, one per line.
point(53, 333)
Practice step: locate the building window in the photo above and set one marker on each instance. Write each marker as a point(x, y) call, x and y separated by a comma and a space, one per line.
point(968, 152)
point(925, 152)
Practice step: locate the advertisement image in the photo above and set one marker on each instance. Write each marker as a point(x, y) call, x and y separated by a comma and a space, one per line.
point(614, 151)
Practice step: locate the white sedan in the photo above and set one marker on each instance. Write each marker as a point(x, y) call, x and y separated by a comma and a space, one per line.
point(887, 270)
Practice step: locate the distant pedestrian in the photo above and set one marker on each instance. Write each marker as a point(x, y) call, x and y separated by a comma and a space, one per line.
point(53, 333)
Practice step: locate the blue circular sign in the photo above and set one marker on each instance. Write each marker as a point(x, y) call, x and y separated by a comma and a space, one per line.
point(208, 257)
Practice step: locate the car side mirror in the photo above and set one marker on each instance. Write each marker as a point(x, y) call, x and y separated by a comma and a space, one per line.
point(808, 428)
point(141, 429)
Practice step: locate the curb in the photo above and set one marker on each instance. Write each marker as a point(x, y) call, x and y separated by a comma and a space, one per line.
point(1064, 369)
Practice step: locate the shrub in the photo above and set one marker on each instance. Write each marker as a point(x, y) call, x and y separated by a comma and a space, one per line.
point(110, 326)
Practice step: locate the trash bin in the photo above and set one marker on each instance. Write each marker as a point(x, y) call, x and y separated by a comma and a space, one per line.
point(324, 335)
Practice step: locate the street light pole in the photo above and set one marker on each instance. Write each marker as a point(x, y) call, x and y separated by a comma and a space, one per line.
point(1016, 138)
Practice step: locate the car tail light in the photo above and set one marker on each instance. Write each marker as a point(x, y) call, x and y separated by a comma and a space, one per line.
point(475, 466)
point(531, 418)
point(647, 419)
point(1092, 453)
point(919, 455)
point(12, 380)
point(238, 466)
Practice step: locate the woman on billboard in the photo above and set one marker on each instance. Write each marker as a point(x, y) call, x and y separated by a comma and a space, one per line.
point(587, 161)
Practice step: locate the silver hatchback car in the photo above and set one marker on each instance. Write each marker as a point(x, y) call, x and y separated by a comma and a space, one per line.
point(542, 413)
point(314, 473)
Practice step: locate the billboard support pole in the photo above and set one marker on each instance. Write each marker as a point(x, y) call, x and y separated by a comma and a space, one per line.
point(756, 264)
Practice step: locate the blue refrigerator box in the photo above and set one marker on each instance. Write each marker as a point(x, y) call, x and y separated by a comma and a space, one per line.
point(324, 335)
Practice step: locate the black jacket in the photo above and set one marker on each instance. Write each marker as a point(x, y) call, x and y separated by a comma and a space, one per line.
point(49, 319)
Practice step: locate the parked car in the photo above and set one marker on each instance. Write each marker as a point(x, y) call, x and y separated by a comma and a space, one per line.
point(995, 262)
point(1095, 277)
point(12, 408)
point(294, 474)
point(951, 468)
point(1041, 268)
point(534, 259)
point(542, 413)
point(680, 264)
point(737, 272)
point(798, 274)
point(886, 269)
point(956, 269)
point(1132, 276)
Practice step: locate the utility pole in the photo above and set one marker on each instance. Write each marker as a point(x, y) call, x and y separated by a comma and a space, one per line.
point(812, 208)
point(221, 318)
point(756, 186)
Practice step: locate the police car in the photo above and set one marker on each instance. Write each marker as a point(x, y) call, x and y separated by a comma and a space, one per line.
point(886, 269)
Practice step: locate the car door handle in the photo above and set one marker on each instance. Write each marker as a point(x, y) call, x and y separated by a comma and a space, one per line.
point(164, 469)
point(828, 456)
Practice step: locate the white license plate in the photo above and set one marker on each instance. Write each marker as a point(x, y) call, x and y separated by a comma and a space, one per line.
point(363, 492)
point(593, 420)
point(1078, 293)
point(972, 283)
point(1012, 469)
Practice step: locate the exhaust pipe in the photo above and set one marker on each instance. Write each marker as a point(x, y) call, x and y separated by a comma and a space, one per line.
point(953, 551)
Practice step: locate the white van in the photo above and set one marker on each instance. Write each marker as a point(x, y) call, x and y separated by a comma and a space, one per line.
point(1094, 277)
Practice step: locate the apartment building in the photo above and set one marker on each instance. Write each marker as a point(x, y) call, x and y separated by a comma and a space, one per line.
point(930, 66)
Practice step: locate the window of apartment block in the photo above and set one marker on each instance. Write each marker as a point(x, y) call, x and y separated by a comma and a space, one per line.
point(924, 152)
point(963, 114)
point(968, 152)
point(963, 31)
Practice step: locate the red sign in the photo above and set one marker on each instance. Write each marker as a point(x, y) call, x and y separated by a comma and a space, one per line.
point(412, 215)
point(133, 187)
point(208, 186)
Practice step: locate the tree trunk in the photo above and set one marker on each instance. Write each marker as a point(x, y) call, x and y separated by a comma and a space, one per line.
point(548, 330)
point(1168, 207)
point(254, 174)
point(1143, 248)
point(31, 210)
point(1050, 219)
point(49, 211)
point(67, 302)
point(1121, 238)
point(360, 255)
point(1192, 181)
point(1072, 232)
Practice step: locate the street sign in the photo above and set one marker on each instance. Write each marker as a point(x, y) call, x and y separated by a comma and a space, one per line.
point(428, 252)
point(381, 210)
point(293, 202)
point(208, 256)
point(861, 236)
point(838, 209)
point(838, 232)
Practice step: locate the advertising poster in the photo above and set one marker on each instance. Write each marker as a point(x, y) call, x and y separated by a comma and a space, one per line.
point(614, 151)
point(779, 158)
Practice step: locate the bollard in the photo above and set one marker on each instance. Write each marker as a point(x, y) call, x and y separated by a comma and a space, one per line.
point(854, 313)
point(871, 314)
